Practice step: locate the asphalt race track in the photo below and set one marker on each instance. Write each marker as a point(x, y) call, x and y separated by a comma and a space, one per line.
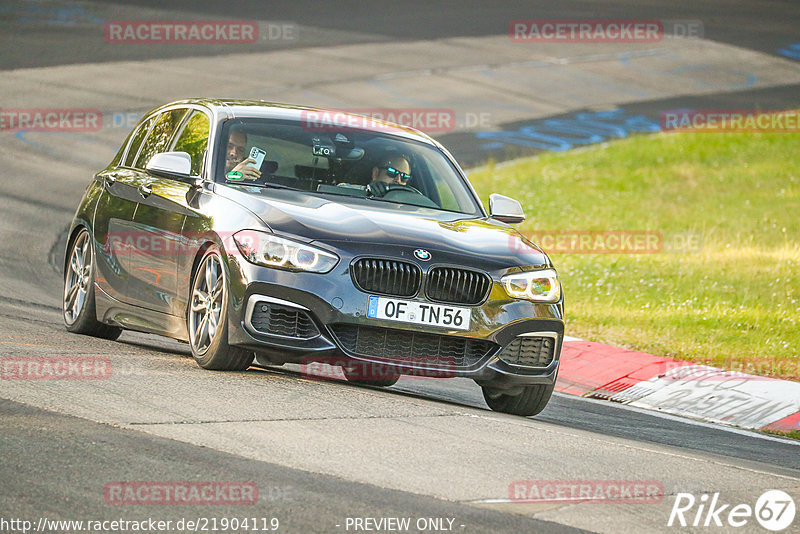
point(322, 453)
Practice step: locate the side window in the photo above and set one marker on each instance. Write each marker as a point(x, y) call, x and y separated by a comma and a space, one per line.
point(136, 141)
point(160, 136)
point(194, 139)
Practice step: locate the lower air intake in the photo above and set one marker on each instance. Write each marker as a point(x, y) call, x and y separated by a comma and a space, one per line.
point(276, 320)
point(529, 351)
point(411, 347)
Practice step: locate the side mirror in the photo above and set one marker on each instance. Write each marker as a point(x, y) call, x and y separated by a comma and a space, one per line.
point(505, 209)
point(176, 165)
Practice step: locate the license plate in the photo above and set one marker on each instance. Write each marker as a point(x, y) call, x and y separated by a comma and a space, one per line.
point(427, 313)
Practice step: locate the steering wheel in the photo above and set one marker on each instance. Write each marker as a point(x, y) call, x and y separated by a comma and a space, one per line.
point(401, 187)
point(388, 188)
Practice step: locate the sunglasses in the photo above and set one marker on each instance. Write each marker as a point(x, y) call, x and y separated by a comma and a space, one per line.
point(391, 172)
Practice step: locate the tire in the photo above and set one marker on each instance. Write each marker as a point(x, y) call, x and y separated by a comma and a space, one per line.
point(206, 318)
point(78, 305)
point(531, 401)
point(355, 376)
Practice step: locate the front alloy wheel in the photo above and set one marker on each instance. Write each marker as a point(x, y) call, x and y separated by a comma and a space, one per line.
point(207, 318)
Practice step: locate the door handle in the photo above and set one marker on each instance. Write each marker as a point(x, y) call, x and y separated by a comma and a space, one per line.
point(145, 190)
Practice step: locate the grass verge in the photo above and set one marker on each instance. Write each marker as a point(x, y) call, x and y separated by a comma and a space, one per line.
point(793, 434)
point(725, 288)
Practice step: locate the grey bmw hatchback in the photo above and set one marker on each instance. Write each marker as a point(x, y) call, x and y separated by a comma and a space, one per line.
point(280, 234)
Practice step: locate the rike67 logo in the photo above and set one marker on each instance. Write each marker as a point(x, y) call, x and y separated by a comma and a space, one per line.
point(774, 510)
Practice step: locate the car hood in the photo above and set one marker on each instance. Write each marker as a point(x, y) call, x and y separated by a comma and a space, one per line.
point(350, 223)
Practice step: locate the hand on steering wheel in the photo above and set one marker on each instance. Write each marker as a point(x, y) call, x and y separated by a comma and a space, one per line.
point(380, 189)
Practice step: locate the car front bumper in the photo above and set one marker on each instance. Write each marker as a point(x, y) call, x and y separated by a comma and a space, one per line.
point(332, 302)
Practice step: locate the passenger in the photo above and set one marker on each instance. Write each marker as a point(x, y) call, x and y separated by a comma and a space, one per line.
point(235, 160)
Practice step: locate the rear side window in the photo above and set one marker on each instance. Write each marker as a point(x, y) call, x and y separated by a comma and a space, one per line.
point(194, 140)
point(136, 141)
point(160, 135)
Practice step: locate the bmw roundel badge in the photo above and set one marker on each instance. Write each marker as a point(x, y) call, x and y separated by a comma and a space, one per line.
point(422, 254)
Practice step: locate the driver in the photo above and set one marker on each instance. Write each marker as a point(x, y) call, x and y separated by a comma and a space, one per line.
point(394, 170)
point(235, 160)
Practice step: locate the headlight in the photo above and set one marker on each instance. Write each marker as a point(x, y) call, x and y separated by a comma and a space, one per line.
point(538, 286)
point(263, 248)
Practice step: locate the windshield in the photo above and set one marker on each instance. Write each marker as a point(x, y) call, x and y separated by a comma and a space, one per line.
point(347, 164)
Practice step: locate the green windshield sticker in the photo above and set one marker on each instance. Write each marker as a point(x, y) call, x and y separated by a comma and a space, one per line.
point(234, 176)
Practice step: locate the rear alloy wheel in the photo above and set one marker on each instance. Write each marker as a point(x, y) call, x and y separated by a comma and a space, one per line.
point(78, 306)
point(207, 318)
point(530, 401)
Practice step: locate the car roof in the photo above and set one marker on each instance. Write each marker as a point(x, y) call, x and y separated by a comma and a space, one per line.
point(231, 108)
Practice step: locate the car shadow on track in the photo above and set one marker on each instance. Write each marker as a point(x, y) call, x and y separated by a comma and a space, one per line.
point(456, 392)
